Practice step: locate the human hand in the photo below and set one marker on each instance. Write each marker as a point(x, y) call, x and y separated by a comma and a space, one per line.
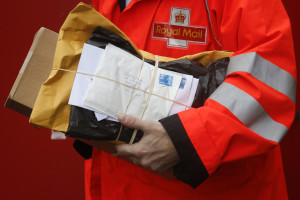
point(155, 151)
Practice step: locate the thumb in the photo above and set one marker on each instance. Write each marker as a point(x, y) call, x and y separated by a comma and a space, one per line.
point(132, 122)
point(125, 149)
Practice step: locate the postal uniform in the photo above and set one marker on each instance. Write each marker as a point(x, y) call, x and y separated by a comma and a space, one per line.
point(229, 147)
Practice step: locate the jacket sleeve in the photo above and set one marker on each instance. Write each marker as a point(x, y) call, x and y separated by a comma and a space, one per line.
point(254, 107)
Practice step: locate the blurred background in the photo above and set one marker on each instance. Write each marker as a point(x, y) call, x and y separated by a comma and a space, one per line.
point(34, 167)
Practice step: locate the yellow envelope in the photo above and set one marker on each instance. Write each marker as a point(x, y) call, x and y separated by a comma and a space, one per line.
point(51, 109)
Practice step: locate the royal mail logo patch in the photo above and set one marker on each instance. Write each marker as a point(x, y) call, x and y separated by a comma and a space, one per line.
point(178, 31)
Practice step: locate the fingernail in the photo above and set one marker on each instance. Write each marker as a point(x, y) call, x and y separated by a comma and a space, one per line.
point(122, 117)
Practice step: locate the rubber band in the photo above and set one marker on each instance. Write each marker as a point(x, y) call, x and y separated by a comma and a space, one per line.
point(137, 80)
point(149, 96)
point(119, 134)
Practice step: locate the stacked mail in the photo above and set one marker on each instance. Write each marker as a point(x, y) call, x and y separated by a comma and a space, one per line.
point(111, 81)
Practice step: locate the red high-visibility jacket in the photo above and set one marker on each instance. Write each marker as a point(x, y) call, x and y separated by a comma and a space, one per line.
point(229, 147)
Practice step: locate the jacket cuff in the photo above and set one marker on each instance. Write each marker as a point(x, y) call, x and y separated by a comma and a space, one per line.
point(85, 150)
point(191, 170)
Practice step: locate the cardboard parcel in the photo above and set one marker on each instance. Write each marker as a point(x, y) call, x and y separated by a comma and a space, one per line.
point(34, 71)
point(51, 109)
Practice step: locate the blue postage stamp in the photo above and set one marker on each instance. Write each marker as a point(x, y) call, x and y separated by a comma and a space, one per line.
point(182, 83)
point(165, 80)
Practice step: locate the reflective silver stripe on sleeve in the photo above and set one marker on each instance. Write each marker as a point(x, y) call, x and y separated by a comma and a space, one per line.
point(249, 112)
point(264, 71)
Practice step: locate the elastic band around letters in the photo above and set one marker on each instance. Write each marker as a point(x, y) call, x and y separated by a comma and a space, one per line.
point(149, 96)
point(137, 80)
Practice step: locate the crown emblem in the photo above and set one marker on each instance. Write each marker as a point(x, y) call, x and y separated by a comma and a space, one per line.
point(180, 17)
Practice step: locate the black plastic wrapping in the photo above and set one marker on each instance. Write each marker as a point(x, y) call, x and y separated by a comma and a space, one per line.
point(84, 124)
point(210, 77)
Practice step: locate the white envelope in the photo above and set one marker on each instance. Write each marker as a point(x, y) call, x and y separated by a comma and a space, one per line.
point(182, 95)
point(192, 92)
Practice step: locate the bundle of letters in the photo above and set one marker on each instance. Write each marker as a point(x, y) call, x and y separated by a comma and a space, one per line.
point(111, 81)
